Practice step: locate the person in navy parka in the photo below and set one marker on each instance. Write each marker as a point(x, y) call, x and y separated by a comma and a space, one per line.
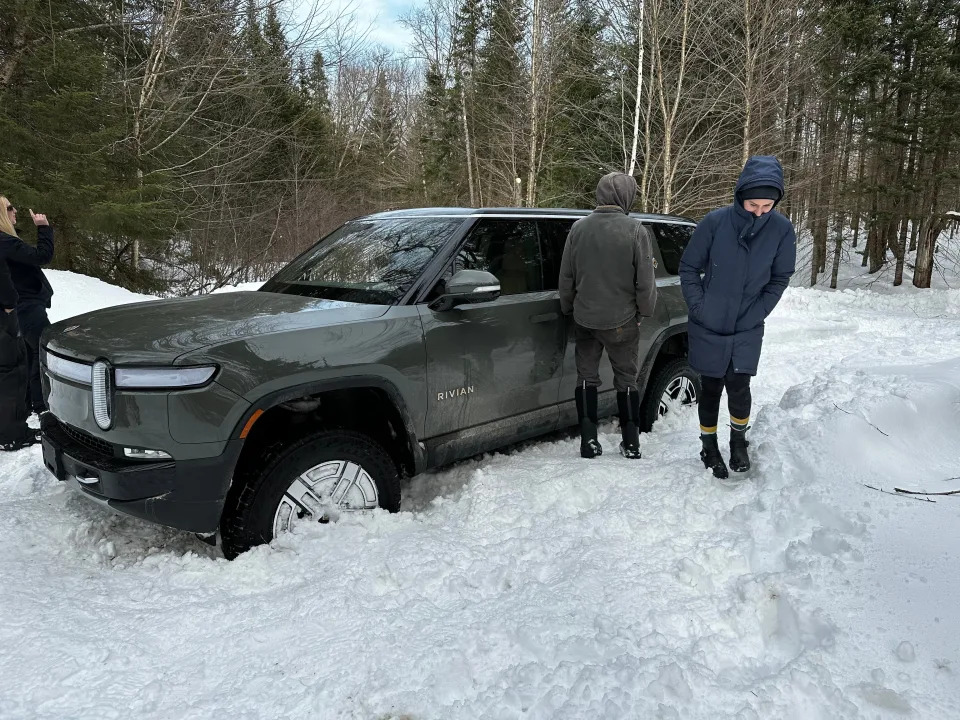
point(733, 272)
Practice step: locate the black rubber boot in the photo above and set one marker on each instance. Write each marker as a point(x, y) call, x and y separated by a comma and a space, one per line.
point(586, 397)
point(28, 437)
point(739, 458)
point(628, 403)
point(712, 459)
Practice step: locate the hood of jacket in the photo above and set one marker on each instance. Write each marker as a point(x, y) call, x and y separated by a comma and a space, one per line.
point(759, 170)
point(617, 188)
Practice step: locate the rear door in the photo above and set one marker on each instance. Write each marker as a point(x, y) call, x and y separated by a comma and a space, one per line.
point(494, 369)
point(671, 240)
point(554, 233)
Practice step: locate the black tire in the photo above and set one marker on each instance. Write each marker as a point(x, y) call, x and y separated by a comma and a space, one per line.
point(661, 380)
point(248, 515)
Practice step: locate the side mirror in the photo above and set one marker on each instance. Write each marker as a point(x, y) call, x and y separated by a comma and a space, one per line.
point(466, 287)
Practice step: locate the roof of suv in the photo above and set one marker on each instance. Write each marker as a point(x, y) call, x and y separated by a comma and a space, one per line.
point(513, 211)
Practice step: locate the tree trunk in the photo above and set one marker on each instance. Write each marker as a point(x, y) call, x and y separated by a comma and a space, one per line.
point(933, 224)
point(857, 218)
point(747, 82)
point(901, 252)
point(636, 104)
point(535, 63)
point(645, 180)
point(466, 140)
point(837, 252)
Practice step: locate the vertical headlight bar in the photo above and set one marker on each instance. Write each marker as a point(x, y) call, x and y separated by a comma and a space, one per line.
point(103, 394)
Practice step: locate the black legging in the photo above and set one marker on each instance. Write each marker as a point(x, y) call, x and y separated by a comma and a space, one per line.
point(738, 397)
point(33, 320)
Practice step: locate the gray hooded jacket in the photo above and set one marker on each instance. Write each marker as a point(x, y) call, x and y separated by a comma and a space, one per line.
point(606, 275)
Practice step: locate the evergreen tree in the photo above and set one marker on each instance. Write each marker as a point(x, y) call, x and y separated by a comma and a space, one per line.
point(577, 152)
point(501, 101)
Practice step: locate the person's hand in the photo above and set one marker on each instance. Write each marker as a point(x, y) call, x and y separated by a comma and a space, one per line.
point(39, 219)
point(9, 310)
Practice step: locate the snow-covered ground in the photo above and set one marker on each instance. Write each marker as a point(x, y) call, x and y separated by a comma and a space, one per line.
point(540, 585)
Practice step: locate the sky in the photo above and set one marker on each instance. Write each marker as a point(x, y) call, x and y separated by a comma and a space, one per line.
point(378, 18)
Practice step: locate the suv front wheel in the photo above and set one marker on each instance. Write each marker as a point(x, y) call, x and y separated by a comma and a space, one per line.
point(673, 385)
point(315, 480)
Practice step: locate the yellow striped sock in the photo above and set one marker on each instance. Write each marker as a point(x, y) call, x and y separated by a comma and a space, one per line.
point(708, 430)
point(738, 423)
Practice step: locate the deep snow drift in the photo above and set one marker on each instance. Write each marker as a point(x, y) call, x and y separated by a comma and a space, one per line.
point(540, 585)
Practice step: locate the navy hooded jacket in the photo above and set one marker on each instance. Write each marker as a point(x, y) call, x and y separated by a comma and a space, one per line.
point(733, 273)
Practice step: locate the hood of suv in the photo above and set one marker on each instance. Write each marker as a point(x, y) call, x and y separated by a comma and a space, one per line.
point(162, 330)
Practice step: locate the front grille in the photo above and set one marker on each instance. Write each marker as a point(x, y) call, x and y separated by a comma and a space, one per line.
point(88, 441)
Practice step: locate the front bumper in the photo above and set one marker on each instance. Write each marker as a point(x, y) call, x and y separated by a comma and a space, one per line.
point(183, 494)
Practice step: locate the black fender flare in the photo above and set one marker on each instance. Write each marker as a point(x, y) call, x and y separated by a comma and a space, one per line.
point(294, 392)
point(654, 352)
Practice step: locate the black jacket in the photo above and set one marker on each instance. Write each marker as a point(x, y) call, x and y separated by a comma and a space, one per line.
point(21, 279)
point(607, 270)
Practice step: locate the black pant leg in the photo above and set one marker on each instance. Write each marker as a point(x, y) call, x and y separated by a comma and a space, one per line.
point(739, 399)
point(33, 320)
point(623, 348)
point(709, 405)
point(588, 351)
point(13, 378)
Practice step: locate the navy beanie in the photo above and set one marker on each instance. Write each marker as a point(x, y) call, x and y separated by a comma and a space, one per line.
point(761, 192)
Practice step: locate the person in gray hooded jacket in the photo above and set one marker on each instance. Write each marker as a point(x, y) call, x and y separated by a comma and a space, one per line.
point(607, 282)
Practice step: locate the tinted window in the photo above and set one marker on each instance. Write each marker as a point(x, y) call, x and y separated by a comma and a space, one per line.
point(366, 261)
point(508, 249)
point(672, 240)
point(553, 237)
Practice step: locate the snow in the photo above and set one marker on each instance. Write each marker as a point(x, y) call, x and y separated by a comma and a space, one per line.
point(239, 287)
point(75, 294)
point(535, 584)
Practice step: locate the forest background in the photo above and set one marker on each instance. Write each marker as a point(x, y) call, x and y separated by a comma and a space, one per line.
point(182, 145)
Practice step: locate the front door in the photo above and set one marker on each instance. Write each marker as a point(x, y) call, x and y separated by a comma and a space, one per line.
point(494, 368)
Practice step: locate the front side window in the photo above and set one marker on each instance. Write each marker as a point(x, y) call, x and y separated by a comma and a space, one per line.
point(508, 249)
point(366, 261)
point(553, 238)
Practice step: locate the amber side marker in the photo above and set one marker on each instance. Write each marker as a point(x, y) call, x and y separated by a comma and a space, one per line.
point(253, 418)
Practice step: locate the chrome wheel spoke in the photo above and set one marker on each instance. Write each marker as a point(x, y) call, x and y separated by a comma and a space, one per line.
point(323, 492)
point(349, 473)
point(679, 391)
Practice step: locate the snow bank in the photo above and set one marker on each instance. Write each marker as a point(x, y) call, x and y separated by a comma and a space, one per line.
point(538, 585)
point(75, 294)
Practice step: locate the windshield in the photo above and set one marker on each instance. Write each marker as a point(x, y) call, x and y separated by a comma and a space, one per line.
point(366, 261)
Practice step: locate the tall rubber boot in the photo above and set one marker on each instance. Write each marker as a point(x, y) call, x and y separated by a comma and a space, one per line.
point(712, 459)
point(628, 403)
point(586, 397)
point(739, 457)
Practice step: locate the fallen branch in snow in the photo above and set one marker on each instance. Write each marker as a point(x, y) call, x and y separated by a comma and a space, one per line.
point(895, 494)
point(862, 418)
point(917, 492)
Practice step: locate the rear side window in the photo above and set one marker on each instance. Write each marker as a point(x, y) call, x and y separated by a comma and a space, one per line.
point(553, 237)
point(672, 239)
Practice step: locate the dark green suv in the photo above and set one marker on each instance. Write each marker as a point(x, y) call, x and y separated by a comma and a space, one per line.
point(400, 342)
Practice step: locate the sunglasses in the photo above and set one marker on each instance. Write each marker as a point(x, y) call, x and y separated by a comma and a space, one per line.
point(10, 208)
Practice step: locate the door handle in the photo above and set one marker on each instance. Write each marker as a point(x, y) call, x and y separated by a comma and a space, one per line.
point(545, 317)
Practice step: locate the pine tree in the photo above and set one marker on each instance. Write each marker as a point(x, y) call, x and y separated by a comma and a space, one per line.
point(501, 99)
point(577, 153)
